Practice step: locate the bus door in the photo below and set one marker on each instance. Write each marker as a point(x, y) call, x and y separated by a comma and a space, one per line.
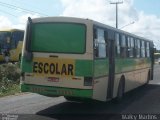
point(111, 55)
point(101, 64)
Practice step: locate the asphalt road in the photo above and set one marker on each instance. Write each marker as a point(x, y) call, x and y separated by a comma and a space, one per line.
point(142, 103)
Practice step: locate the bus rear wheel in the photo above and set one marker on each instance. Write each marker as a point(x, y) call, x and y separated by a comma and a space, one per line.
point(70, 98)
point(148, 77)
point(120, 92)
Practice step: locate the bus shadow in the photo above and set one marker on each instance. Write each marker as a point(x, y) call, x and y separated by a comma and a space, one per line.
point(100, 110)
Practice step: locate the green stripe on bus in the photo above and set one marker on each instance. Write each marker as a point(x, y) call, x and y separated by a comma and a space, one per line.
point(124, 65)
point(84, 68)
point(57, 91)
point(101, 67)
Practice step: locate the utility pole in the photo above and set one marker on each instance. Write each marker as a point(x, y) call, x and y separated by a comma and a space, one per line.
point(116, 3)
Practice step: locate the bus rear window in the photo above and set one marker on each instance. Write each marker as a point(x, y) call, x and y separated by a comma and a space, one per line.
point(58, 38)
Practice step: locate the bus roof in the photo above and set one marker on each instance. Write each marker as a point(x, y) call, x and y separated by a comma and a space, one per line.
point(10, 30)
point(119, 31)
point(82, 20)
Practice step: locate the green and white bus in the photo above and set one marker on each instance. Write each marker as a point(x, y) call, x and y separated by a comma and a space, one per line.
point(83, 59)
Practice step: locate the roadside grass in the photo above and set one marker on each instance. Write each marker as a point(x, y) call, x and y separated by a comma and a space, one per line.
point(11, 91)
point(9, 79)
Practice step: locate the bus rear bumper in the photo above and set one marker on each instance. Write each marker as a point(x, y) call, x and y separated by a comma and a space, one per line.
point(57, 91)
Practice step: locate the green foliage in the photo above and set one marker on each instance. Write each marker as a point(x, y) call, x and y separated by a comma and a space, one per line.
point(9, 78)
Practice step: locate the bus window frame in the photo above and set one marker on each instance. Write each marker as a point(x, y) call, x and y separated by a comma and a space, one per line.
point(130, 46)
point(148, 48)
point(117, 46)
point(143, 51)
point(123, 54)
point(95, 37)
point(137, 48)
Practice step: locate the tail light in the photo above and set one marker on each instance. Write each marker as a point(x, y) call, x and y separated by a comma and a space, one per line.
point(88, 81)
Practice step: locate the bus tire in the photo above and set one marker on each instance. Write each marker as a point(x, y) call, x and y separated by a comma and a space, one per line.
point(121, 88)
point(69, 98)
point(148, 77)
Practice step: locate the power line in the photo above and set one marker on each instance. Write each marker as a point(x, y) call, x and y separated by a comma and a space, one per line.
point(15, 8)
point(24, 10)
point(42, 10)
point(8, 13)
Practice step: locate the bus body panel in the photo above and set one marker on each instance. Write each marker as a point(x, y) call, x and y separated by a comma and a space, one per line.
point(15, 54)
point(100, 88)
point(76, 82)
point(101, 72)
point(135, 72)
point(43, 75)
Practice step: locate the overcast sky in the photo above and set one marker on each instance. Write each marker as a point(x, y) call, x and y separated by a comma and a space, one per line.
point(144, 13)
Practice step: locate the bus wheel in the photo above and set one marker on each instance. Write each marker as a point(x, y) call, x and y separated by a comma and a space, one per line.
point(148, 77)
point(69, 98)
point(120, 92)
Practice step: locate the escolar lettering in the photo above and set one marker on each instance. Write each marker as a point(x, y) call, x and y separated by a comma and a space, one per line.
point(53, 68)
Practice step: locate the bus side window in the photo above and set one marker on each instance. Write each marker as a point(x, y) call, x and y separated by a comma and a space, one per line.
point(95, 43)
point(142, 49)
point(131, 45)
point(137, 47)
point(117, 44)
point(99, 43)
point(123, 46)
point(148, 50)
point(106, 42)
point(128, 46)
